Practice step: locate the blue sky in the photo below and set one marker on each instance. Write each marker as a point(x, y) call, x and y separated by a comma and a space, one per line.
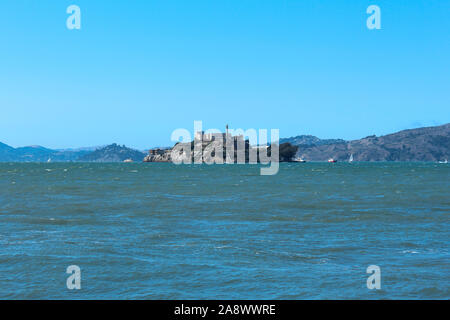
point(137, 70)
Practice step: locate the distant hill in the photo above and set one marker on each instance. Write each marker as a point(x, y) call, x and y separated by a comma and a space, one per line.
point(36, 154)
point(309, 140)
point(7, 153)
point(113, 153)
point(39, 154)
point(422, 144)
point(88, 149)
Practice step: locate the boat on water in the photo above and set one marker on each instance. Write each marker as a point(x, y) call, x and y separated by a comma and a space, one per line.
point(446, 161)
point(128, 160)
point(299, 160)
point(332, 160)
point(351, 158)
point(49, 160)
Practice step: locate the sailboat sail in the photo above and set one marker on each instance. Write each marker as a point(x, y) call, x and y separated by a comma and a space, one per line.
point(351, 158)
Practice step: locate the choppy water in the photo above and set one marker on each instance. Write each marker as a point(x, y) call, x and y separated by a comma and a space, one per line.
point(160, 231)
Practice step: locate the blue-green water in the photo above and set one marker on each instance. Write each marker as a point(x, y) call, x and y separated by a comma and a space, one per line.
point(161, 231)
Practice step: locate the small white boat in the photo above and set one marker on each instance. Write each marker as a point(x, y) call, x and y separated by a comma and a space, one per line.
point(446, 161)
point(49, 160)
point(128, 160)
point(351, 158)
point(332, 160)
point(299, 160)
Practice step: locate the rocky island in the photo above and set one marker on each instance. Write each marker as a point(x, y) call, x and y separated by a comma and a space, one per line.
point(202, 147)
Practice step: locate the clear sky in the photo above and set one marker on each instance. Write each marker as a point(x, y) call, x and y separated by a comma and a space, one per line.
point(137, 70)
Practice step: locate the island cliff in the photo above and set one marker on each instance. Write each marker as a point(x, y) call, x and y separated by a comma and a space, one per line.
point(202, 148)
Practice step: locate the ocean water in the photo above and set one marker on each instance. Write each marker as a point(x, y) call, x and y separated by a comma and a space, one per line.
point(161, 231)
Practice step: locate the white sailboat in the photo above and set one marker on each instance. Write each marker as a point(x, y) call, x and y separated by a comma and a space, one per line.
point(351, 158)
